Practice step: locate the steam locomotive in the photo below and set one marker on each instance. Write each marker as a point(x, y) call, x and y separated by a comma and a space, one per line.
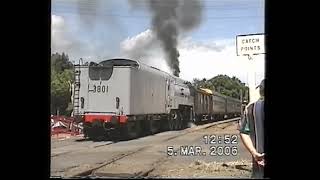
point(125, 98)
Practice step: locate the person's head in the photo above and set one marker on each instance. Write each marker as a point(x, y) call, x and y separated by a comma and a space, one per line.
point(261, 88)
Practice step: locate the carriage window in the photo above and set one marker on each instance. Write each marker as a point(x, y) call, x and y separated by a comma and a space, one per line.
point(100, 72)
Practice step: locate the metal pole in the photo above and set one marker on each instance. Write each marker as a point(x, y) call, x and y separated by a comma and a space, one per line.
point(251, 80)
point(241, 100)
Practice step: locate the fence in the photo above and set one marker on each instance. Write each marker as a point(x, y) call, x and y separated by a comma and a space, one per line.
point(65, 125)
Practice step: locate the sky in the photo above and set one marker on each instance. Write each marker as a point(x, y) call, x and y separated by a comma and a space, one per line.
point(96, 30)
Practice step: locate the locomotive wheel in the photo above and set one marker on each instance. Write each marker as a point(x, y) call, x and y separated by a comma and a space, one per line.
point(175, 121)
point(179, 121)
point(185, 119)
point(97, 133)
point(131, 130)
point(99, 138)
point(164, 125)
point(171, 121)
point(154, 126)
point(171, 124)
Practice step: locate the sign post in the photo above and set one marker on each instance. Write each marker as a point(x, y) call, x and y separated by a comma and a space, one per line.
point(251, 45)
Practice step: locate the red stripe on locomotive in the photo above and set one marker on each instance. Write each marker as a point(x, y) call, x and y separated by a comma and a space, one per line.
point(105, 118)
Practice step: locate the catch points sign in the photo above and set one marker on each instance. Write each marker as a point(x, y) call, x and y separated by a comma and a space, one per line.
point(250, 44)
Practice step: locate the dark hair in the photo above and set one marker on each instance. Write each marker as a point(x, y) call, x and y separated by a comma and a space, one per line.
point(261, 88)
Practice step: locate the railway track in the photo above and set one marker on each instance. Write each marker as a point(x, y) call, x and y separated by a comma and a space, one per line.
point(91, 172)
point(186, 131)
point(74, 148)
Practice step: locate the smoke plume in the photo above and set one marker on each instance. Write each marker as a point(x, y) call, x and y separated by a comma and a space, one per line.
point(169, 18)
point(82, 29)
point(146, 48)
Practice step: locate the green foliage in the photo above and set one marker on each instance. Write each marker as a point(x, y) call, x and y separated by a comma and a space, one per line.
point(225, 85)
point(60, 62)
point(61, 79)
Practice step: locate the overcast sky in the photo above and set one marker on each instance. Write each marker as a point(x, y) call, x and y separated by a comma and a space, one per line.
point(97, 30)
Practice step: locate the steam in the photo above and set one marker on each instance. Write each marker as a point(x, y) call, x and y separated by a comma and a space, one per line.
point(169, 18)
point(88, 13)
point(146, 48)
point(156, 47)
point(92, 20)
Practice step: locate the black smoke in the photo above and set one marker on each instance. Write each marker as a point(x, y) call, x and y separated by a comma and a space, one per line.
point(169, 19)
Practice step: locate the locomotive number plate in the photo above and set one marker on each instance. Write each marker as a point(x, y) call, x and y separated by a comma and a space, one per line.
point(99, 89)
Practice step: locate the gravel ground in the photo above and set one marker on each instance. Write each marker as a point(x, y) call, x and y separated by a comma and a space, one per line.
point(201, 169)
point(72, 156)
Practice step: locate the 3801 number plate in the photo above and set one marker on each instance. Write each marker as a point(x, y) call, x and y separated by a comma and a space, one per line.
point(99, 89)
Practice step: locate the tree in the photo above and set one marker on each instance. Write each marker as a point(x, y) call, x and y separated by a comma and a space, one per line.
point(60, 62)
point(61, 77)
point(225, 85)
point(200, 83)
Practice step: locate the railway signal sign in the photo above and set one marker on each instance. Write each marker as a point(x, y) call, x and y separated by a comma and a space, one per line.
point(251, 45)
